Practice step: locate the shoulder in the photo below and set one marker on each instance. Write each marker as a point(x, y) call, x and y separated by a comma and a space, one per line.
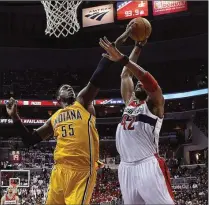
point(3, 198)
point(55, 114)
point(89, 110)
point(155, 110)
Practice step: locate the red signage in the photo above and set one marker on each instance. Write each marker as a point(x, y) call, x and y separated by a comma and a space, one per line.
point(167, 7)
point(15, 156)
point(131, 9)
point(43, 103)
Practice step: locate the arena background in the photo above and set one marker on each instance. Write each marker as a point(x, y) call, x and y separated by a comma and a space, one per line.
point(34, 65)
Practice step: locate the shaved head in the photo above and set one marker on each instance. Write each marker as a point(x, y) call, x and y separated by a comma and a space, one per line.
point(65, 94)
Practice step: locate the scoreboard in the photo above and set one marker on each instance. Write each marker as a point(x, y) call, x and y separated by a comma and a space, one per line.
point(131, 9)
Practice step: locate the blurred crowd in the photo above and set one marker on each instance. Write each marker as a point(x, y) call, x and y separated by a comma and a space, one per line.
point(190, 187)
point(41, 155)
point(107, 187)
point(201, 120)
point(36, 84)
point(196, 191)
point(190, 183)
point(29, 83)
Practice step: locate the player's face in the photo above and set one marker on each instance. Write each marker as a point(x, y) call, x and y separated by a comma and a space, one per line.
point(140, 93)
point(65, 92)
point(10, 190)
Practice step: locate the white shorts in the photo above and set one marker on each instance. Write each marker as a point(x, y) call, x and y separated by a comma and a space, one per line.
point(145, 182)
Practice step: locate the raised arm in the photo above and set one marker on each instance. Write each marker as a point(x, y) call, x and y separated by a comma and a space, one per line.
point(127, 85)
point(28, 138)
point(99, 77)
point(149, 82)
point(88, 94)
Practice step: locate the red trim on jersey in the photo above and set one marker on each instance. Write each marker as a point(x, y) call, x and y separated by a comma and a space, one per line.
point(166, 174)
point(10, 199)
point(134, 103)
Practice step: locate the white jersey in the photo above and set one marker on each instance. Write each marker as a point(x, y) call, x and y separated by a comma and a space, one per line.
point(137, 135)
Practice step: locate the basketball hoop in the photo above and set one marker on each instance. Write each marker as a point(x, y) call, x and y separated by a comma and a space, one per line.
point(61, 17)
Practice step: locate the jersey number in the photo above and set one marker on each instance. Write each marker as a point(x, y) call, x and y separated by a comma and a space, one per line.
point(67, 130)
point(127, 122)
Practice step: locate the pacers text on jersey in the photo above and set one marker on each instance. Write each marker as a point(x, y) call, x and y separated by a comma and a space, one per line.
point(68, 115)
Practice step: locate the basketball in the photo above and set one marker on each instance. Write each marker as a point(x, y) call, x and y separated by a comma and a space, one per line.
point(142, 30)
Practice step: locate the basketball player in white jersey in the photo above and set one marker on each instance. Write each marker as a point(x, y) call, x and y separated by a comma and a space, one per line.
point(10, 197)
point(143, 175)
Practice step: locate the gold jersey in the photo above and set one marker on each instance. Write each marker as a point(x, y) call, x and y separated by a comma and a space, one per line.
point(77, 137)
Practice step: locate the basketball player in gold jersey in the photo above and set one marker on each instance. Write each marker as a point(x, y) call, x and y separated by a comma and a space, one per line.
point(77, 151)
point(10, 197)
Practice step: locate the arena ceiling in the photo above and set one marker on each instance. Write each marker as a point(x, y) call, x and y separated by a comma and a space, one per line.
point(23, 23)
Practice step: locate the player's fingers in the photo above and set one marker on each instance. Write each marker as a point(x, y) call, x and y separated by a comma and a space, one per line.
point(131, 24)
point(144, 42)
point(12, 99)
point(103, 44)
point(131, 28)
point(107, 41)
point(112, 50)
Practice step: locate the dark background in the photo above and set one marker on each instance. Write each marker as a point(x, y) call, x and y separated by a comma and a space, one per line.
point(176, 53)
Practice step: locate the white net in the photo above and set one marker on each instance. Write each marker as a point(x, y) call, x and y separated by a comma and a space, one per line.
point(61, 17)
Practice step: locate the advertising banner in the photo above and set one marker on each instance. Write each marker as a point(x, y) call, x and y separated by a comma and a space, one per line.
point(42, 103)
point(108, 101)
point(167, 7)
point(180, 186)
point(48, 103)
point(131, 9)
point(24, 121)
point(98, 15)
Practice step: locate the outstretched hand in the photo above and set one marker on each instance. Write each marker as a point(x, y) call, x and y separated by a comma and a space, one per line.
point(141, 43)
point(113, 53)
point(123, 37)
